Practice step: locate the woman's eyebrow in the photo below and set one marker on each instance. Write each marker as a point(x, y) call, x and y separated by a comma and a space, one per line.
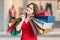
point(30, 7)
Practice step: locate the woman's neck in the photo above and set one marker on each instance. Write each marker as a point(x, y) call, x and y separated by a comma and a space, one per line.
point(28, 17)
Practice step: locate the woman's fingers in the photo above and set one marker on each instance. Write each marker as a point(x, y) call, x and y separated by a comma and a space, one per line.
point(22, 17)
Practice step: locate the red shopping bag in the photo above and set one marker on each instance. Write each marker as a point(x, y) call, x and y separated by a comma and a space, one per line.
point(11, 26)
point(46, 13)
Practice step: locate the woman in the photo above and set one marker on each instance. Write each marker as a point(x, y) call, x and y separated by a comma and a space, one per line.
point(27, 32)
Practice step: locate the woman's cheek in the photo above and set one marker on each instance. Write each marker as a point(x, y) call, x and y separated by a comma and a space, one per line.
point(31, 11)
point(26, 11)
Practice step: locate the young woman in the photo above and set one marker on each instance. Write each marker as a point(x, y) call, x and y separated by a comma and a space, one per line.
point(27, 32)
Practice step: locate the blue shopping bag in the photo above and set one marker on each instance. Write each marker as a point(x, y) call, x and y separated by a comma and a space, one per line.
point(47, 19)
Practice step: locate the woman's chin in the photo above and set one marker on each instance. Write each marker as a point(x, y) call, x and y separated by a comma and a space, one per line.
point(28, 13)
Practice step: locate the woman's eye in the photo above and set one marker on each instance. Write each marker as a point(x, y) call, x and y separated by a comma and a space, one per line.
point(30, 8)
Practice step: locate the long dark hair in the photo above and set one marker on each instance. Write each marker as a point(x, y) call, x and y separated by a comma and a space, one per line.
point(35, 8)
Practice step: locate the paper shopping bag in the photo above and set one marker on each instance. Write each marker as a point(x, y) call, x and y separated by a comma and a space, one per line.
point(47, 19)
point(46, 13)
point(14, 31)
point(11, 26)
point(45, 27)
point(38, 28)
point(43, 24)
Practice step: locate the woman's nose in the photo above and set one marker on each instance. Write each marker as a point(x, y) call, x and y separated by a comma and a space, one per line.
point(27, 9)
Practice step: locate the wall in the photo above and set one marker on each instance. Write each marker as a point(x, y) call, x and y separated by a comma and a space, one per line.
point(58, 10)
point(18, 4)
point(1, 15)
point(7, 5)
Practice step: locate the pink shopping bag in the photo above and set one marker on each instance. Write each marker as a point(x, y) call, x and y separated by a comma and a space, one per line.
point(46, 13)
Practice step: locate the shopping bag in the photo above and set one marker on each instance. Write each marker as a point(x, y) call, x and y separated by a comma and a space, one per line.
point(38, 29)
point(42, 30)
point(46, 13)
point(11, 21)
point(43, 24)
point(11, 26)
point(33, 28)
point(14, 31)
point(47, 19)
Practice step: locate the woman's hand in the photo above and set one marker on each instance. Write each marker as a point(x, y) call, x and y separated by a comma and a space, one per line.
point(22, 17)
point(18, 27)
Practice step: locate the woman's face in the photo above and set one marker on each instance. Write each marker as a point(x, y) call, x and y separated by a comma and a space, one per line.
point(29, 10)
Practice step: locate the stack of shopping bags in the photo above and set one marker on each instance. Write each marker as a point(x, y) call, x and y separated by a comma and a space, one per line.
point(12, 26)
point(43, 23)
point(40, 24)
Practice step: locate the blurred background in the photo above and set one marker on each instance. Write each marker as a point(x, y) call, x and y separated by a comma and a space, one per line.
point(19, 5)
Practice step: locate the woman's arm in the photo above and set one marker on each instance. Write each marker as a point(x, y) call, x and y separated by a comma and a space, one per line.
point(18, 27)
